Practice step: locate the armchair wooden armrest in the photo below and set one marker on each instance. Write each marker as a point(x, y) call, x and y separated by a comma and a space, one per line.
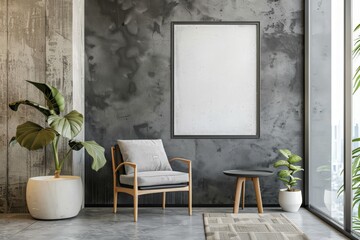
point(118, 167)
point(184, 160)
point(133, 165)
point(115, 169)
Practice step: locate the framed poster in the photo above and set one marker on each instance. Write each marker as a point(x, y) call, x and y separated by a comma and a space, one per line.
point(215, 79)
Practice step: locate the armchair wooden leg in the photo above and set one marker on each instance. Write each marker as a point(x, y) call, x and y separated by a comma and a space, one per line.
point(115, 201)
point(135, 207)
point(164, 200)
point(243, 194)
point(190, 200)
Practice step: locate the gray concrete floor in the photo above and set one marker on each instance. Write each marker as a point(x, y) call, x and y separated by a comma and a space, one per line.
point(153, 223)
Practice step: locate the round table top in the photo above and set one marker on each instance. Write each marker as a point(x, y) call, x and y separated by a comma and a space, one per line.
point(249, 173)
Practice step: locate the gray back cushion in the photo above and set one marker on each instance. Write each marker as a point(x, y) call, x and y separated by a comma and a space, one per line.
point(149, 155)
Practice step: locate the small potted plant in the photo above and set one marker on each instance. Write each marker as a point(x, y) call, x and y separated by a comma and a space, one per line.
point(55, 197)
point(290, 199)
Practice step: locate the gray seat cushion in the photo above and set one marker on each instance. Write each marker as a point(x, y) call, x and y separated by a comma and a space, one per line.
point(149, 155)
point(152, 178)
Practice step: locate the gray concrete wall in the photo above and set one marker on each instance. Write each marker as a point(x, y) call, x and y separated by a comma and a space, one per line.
point(127, 91)
point(35, 44)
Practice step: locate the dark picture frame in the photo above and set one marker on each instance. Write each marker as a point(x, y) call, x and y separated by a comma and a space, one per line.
point(184, 122)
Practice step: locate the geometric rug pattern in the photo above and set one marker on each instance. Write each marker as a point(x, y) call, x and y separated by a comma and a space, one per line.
point(250, 226)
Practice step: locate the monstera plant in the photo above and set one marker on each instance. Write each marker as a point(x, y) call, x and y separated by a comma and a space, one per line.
point(34, 136)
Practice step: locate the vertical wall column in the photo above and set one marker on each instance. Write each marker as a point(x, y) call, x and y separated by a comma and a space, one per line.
point(78, 79)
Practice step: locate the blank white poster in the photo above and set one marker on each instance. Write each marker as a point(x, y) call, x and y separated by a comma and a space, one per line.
point(215, 79)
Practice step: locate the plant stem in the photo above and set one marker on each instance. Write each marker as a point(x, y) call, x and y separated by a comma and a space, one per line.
point(56, 157)
point(66, 157)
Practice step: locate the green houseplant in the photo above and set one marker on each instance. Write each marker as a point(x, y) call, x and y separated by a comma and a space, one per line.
point(32, 136)
point(287, 175)
point(290, 199)
point(355, 172)
point(55, 197)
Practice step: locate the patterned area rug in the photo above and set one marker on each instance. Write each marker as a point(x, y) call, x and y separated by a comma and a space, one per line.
point(250, 226)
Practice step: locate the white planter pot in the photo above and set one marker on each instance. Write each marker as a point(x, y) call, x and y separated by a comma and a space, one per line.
point(50, 198)
point(290, 201)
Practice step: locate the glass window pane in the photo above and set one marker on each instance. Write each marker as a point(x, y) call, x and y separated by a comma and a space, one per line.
point(356, 116)
point(326, 107)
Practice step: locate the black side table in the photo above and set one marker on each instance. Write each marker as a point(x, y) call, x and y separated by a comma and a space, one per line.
point(242, 176)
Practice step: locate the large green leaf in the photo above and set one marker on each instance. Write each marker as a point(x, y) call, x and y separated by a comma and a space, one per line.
point(284, 173)
point(94, 150)
point(281, 163)
point(33, 136)
point(298, 170)
point(68, 126)
point(355, 151)
point(75, 145)
point(356, 51)
point(44, 110)
point(294, 158)
point(357, 27)
point(285, 152)
point(294, 167)
point(285, 180)
point(356, 79)
point(54, 99)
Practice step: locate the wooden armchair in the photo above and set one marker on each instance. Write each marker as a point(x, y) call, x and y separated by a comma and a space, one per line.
point(146, 182)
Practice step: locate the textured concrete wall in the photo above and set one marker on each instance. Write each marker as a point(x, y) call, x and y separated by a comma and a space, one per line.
point(36, 45)
point(128, 90)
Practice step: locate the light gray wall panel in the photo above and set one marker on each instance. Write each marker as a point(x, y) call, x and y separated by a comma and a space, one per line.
point(3, 105)
point(36, 45)
point(26, 50)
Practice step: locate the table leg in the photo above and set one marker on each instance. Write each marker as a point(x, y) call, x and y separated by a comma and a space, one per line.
point(258, 194)
point(237, 194)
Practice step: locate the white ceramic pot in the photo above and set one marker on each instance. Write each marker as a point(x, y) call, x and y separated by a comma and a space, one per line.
point(50, 198)
point(290, 201)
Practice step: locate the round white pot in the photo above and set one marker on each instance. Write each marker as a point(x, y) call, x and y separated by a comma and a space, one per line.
point(290, 201)
point(50, 198)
